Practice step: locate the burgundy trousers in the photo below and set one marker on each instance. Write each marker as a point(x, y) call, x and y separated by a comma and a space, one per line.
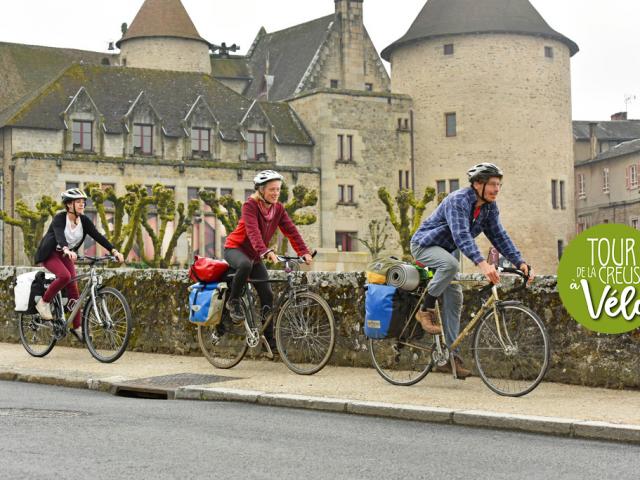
point(64, 270)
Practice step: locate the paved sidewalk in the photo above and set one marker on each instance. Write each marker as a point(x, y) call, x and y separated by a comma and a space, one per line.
point(551, 408)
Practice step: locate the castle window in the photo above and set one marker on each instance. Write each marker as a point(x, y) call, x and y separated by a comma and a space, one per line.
point(226, 192)
point(248, 193)
point(448, 49)
point(554, 194)
point(441, 186)
point(82, 135)
point(200, 141)
point(368, 87)
point(454, 185)
point(560, 248)
point(345, 152)
point(632, 177)
point(451, 124)
point(143, 139)
point(345, 194)
point(403, 179)
point(563, 204)
point(605, 180)
point(633, 221)
point(581, 187)
point(334, 83)
point(255, 145)
point(344, 241)
point(548, 52)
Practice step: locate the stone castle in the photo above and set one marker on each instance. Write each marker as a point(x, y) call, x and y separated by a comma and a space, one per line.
point(471, 81)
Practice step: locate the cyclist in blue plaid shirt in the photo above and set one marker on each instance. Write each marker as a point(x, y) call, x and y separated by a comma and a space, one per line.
point(451, 229)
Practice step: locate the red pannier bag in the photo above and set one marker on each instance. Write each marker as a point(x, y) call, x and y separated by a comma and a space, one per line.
point(207, 270)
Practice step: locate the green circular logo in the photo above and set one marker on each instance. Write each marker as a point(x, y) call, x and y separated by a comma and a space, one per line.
point(599, 278)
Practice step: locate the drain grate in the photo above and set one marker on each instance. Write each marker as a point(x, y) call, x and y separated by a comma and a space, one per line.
point(39, 413)
point(164, 387)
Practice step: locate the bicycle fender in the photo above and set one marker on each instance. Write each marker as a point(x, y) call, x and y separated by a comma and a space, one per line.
point(502, 303)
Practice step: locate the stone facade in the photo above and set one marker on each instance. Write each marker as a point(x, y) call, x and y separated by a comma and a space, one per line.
point(512, 107)
point(608, 192)
point(176, 54)
point(350, 152)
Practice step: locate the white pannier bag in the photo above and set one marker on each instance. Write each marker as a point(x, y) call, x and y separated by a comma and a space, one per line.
point(22, 290)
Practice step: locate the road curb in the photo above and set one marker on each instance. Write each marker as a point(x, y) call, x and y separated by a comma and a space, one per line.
point(564, 427)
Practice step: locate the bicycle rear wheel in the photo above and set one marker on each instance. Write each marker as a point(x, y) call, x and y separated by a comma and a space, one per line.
point(107, 333)
point(512, 353)
point(224, 345)
point(305, 333)
point(37, 336)
point(405, 360)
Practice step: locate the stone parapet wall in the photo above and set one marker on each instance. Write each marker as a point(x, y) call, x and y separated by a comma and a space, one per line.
point(158, 300)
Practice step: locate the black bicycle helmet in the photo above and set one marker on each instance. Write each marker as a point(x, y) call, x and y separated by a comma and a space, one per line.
point(483, 172)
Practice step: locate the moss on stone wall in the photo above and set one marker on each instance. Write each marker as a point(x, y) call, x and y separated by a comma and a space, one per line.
point(158, 300)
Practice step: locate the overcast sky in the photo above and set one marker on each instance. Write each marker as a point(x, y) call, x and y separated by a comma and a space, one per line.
point(604, 71)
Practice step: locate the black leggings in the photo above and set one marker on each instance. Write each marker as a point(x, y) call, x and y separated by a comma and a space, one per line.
point(245, 268)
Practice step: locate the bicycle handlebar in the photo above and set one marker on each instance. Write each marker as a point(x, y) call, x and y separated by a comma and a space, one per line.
point(91, 260)
point(284, 258)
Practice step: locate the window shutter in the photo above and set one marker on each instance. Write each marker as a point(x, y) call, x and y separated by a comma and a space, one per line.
point(628, 177)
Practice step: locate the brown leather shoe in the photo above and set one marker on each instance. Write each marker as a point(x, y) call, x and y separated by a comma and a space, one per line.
point(461, 371)
point(426, 319)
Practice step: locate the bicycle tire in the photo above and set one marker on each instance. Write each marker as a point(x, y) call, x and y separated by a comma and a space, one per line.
point(406, 360)
point(224, 350)
point(517, 365)
point(305, 333)
point(37, 336)
point(107, 337)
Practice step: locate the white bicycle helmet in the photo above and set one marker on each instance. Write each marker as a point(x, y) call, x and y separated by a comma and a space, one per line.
point(266, 176)
point(72, 194)
point(483, 172)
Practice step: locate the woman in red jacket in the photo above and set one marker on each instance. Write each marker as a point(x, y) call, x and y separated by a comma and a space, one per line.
point(247, 246)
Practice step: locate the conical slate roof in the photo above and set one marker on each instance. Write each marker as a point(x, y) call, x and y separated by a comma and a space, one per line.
point(162, 18)
point(458, 17)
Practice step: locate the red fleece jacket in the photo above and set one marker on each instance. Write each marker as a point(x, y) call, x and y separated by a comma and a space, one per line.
point(254, 231)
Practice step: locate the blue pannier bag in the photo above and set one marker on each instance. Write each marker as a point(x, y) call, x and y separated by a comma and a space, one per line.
point(386, 311)
point(206, 303)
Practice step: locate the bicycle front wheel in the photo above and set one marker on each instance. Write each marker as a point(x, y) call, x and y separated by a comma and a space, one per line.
point(511, 351)
point(107, 331)
point(224, 345)
point(405, 360)
point(305, 333)
point(36, 335)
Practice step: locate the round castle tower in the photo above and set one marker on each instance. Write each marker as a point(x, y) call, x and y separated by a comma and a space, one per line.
point(490, 82)
point(163, 37)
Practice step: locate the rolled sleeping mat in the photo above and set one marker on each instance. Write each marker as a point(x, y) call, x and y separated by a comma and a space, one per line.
point(405, 277)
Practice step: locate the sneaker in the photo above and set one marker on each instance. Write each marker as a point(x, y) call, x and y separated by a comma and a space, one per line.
point(77, 332)
point(235, 310)
point(44, 309)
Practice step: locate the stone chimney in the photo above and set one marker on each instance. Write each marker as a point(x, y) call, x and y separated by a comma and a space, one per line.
point(594, 140)
point(349, 14)
point(619, 116)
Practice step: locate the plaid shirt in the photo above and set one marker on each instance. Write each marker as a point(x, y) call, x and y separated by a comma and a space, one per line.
point(452, 227)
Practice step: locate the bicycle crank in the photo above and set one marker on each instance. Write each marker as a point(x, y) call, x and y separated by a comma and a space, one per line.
point(253, 337)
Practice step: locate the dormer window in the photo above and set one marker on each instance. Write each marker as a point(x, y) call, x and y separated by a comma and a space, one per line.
point(255, 145)
point(143, 139)
point(200, 141)
point(82, 135)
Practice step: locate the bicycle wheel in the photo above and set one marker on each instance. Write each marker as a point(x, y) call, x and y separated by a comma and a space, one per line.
point(226, 344)
point(405, 360)
point(107, 332)
point(512, 353)
point(305, 333)
point(36, 335)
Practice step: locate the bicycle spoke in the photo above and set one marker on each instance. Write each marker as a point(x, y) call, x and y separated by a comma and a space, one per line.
point(107, 331)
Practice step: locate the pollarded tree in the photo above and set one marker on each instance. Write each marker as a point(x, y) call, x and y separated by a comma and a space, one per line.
point(377, 237)
point(405, 224)
point(302, 198)
point(224, 208)
point(32, 222)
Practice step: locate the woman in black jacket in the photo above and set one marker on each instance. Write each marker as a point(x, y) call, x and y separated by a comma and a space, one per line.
point(57, 252)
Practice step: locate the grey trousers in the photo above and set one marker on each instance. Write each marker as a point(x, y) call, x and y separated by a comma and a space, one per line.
point(446, 268)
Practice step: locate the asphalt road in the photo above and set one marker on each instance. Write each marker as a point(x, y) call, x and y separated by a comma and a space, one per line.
point(51, 432)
